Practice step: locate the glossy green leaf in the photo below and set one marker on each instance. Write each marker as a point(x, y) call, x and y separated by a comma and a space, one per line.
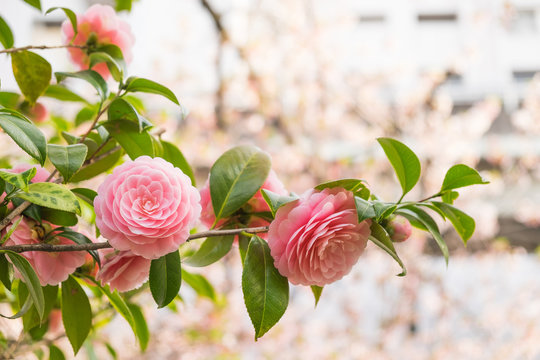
point(347, 184)
point(67, 159)
point(142, 332)
point(6, 274)
point(114, 67)
point(121, 109)
point(235, 177)
point(62, 93)
point(51, 195)
point(275, 201)
point(89, 171)
point(463, 223)
point(90, 76)
point(134, 84)
point(200, 284)
point(382, 209)
point(31, 318)
point(59, 217)
point(380, 237)
point(34, 3)
point(266, 291)
point(210, 251)
point(6, 36)
point(364, 209)
point(317, 292)
point(19, 180)
point(70, 15)
point(134, 143)
point(32, 73)
point(404, 161)
point(76, 313)
point(55, 353)
point(165, 278)
point(243, 244)
point(87, 195)
point(461, 175)
point(77, 238)
point(173, 155)
point(25, 134)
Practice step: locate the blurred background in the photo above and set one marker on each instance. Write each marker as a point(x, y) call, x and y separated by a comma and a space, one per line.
point(314, 83)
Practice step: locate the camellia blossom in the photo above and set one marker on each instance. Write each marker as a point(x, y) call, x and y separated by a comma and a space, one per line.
point(98, 26)
point(316, 239)
point(255, 204)
point(147, 206)
point(51, 267)
point(123, 270)
point(399, 228)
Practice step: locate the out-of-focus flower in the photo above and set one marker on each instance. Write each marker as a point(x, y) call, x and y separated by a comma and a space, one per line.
point(399, 228)
point(98, 26)
point(147, 206)
point(123, 270)
point(39, 113)
point(316, 239)
point(51, 267)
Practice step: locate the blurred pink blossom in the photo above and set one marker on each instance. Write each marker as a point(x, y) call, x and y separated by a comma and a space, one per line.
point(122, 270)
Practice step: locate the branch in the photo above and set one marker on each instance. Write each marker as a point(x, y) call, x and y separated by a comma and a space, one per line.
point(41, 47)
point(106, 245)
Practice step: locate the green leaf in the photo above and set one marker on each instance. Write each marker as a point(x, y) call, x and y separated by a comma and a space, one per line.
point(87, 195)
point(211, 250)
point(30, 279)
point(32, 73)
point(412, 212)
point(404, 161)
point(275, 201)
point(347, 184)
point(6, 273)
point(165, 278)
point(134, 84)
point(460, 176)
point(463, 223)
point(123, 5)
point(34, 3)
point(98, 167)
point(67, 159)
point(380, 237)
point(55, 353)
point(173, 155)
point(142, 332)
point(59, 217)
point(449, 196)
point(11, 230)
point(243, 244)
point(53, 196)
point(383, 210)
point(364, 209)
point(31, 318)
point(133, 142)
point(266, 292)
point(6, 36)
point(235, 177)
point(70, 15)
point(114, 67)
point(62, 93)
point(19, 180)
point(317, 291)
point(77, 238)
point(25, 134)
point(200, 284)
point(76, 313)
point(27, 305)
point(120, 109)
point(10, 99)
point(90, 76)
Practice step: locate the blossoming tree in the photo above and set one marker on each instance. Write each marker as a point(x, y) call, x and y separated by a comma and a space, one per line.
point(71, 251)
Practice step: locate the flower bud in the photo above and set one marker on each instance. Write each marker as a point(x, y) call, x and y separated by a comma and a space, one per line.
point(399, 228)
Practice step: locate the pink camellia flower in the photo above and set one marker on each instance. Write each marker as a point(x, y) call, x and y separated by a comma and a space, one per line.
point(123, 270)
point(399, 228)
point(51, 267)
point(39, 113)
point(147, 206)
point(98, 26)
point(255, 204)
point(316, 239)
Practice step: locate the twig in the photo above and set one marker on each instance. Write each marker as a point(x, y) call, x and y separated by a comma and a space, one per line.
point(41, 47)
point(106, 245)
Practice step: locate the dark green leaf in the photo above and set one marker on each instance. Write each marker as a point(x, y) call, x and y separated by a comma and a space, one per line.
point(32, 73)
point(120, 109)
point(235, 177)
point(173, 155)
point(27, 305)
point(142, 332)
point(99, 166)
point(19, 180)
point(53, 196)
point(62, 93)
point(25, 134)
point(380, 237)
point(76, 313)
point(70, 15)
point(31, 318)
point(87, 195)
point(34, 3)
point(6, 274)
point(317, 291)
point(199, 283)
point(6, 36)
point(404, 161)
point(463, 223)
point(364, 209)
point(275, 201)
point(55, 353)
point(90, 76)
point(67, 159)
point(211, 250)
point(134, 84)
point(59, 217)
point(78, 238)
point(461, 175)
point(266, 291)
point(10, 99)
point(243, 244)
point(133, 142)
point(165, 278)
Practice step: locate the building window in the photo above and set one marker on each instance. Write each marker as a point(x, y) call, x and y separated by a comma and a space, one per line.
point(437, 18)
point(523, 75)
point(372, 19)
point(523, 21)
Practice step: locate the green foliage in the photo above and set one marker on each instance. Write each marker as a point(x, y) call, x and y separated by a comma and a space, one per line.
point(31, 318)
point(275, 201)
point(67, 159)
point(134, 84)
point(364, 209)
point(460, 176)
point(34, 3)
point(173, 155)
point(108, 158)
point(463, 223)
point(55, 353)
point(317, 292)
point(6, 36)
point(210, 251)
point(199, 283)
point(134, 143)
point(266, 291)
point(32, 73)
point(91, 77)
point(165, 278)
point(123, 5)
point(5, 272)
point(19, 180)
point(120, 109)
point(380, 237)
point(140, 326)
point(25, 134)
point(77, 238)
point(76, 313)
point(70, 15)
point(62, 93)
point(51, 195)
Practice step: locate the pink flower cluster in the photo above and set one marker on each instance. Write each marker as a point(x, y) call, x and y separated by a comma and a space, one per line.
point(98, 26)
point(316, 239)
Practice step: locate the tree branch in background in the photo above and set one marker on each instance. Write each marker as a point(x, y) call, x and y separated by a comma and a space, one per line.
point(41, 47)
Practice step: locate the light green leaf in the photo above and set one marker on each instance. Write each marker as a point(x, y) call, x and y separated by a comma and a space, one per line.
point(380, 237)
point(173, 155)
point(461, 175)
point(133, 142)
point(123, 5)
point(364, 209)
point(404, 161)
point(11, 230)
point(235, 177)
point(266, 291)
point(90, 76)
point(463, 223)
point(76, 313)
point(51, 195)
point(114, 67)
point(62, 93)
point(317, 291)
point(449, 196)
point(165, 278)
point(121, 109)
point(25, 134)
point(19, 180)
point(100, 166)
point(67, 159)
point(347, 184)
point(275, 201)
point(382, 209)
point(34, 3)
point(70, 15)
point(55, 353)
point(6, 36)
point(134, 84)
point(22, 311)
point(199, 283)
point(10, 99)
point(211, 250)
point(31, 318)
point(32, 73)
point(141, 327)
